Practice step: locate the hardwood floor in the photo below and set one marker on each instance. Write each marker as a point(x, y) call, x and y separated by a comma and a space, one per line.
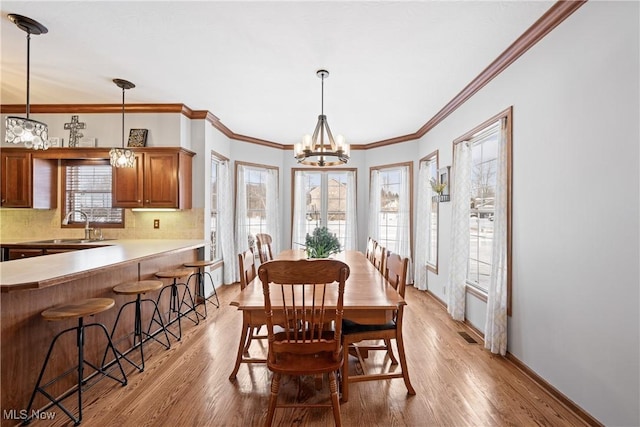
point(457, 383)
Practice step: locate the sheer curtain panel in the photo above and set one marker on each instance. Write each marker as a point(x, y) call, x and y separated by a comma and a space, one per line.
point(495, 336)
point(227, 243)
point(461, 189)
point(423, 227)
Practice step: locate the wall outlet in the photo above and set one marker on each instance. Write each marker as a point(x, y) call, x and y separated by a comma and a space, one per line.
point(444, 290)
point(156, 223)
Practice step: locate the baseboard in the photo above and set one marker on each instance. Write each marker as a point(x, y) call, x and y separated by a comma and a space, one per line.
point(546, 386)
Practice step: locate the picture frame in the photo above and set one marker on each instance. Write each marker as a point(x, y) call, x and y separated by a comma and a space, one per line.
point(55, 141)
point(137, 138)
point(443, 178)
point(85, 142)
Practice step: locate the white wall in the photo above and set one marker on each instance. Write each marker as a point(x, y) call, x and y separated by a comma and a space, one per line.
point(575, 98)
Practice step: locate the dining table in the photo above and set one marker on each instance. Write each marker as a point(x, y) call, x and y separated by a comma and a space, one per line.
point(368, 298)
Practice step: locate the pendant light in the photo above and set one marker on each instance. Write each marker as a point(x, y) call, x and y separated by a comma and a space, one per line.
point(20, 130)
point(122, 157)
point(313, 150)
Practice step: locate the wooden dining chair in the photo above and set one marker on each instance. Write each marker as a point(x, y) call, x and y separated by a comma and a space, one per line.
point(352, 333)
point(247, 265)
point(379, 257)
point(371, 247)
point(302, 300)
point(264, 241)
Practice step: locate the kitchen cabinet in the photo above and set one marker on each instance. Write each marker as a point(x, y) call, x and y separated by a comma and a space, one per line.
point(24, 253)
point(28, 181)
point(161, 178)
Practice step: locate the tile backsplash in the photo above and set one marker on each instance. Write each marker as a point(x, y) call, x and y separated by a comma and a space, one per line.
point(37, 224)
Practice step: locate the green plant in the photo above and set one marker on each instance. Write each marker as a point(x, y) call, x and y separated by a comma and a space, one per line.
point(322, 243)
point(438, 187)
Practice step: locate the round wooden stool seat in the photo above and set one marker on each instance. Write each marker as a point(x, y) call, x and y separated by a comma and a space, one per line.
point(173, 274)
point(82, 308)
point(198, 264)
point(139, 287)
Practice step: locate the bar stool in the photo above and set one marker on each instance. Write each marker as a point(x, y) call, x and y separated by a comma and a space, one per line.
point(76, 310)
point(175, 302)
point(139, 288)
point(200, 282)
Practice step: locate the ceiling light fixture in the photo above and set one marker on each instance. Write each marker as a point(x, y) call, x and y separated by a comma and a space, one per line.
point(313, 150)
point(122, 157)
point(32, 133)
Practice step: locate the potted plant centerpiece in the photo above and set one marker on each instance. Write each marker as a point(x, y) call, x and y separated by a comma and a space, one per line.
point(322, 243)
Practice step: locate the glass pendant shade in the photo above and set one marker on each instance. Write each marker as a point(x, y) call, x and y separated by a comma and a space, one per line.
point(21, 130)
point(31, 133)
point(122, 158)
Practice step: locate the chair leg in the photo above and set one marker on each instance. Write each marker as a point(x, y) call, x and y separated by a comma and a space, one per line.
point(335, 401)
point(215, 293)
point(387, 343)
point(248, 344)
point(273, 399)
point(403, 363)
point(344, 385)
point(241, 345)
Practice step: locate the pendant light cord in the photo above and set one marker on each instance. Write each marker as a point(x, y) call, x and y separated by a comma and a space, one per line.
point(28, 68)
point(123, 117)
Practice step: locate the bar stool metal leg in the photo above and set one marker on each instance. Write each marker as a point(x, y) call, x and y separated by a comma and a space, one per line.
point(80, 372)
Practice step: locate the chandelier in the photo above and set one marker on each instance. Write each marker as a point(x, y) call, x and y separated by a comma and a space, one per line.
point(122, 157)
point(314, 150)
point(21, 130)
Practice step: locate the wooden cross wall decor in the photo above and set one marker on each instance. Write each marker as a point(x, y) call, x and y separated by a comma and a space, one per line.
point(74, 127)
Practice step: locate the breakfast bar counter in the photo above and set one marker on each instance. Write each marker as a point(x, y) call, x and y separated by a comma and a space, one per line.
point(31, 285)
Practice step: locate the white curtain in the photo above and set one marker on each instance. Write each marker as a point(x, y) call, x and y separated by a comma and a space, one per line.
point(299, 231)
point(461, 193)
point(351, 237)
point(495, 336)
point(273, 213)
point(374, 205)
point(423, 227)
point(226, 235)
point(242, 243)
point(404, 220)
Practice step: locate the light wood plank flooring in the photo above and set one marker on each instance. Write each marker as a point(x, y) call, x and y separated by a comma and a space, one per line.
point(457, 383)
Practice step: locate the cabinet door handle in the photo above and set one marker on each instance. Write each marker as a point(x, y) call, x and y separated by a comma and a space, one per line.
point(147, 201)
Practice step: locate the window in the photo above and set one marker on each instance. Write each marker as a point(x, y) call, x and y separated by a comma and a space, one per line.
point(256, 204)
point(390, 210)
point(481, 213)
point(427, 219)
point(484, 159)
point(86, 187)
point(324, 199)
point(215, 219)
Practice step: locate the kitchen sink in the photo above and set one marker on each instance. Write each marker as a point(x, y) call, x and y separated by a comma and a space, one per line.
point(68, 241)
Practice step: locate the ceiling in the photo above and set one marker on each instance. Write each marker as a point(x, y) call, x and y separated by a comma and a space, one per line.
point(393, 64)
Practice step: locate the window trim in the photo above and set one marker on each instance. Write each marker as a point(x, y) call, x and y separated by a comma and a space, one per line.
point(63, 193)
point(218, 158)
point(507, 115)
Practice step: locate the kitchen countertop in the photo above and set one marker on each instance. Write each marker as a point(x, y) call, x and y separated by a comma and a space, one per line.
point(49, 270)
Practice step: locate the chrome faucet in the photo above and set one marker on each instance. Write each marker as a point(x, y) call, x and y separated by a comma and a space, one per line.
point(87, 230)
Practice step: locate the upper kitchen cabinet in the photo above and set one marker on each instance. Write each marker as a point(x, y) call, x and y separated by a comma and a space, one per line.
point(28, 181)
point(161, 178)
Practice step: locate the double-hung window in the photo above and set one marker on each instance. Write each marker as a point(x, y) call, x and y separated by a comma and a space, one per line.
point(86, 187)
point(257, 209)
point(390, 207)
